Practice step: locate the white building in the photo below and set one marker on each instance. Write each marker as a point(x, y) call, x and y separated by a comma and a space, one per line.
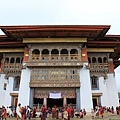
point(58, 65)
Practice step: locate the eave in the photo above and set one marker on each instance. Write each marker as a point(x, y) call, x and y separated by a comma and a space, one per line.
point(91, 31)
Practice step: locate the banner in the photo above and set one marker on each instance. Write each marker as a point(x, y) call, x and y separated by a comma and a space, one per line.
point(55, 95)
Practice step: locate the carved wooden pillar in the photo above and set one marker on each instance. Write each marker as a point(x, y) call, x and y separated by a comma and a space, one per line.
point(59, 55)
point(45, 102)
point(69, 54)
point(49, 54)
point(40, 56)
point(64, 101)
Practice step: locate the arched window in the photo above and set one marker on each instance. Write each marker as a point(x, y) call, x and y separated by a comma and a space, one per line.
point(6, 60)
point(94, 60)
point(35, 52)
point(99, 60)
point(73, 51)
point(17, 60)
point(12, 60)
point(45, 54)
point(64, 54)
point(45, 51)
point(54, 54)
point(105, 60)
point(89, 60)
point(22, 60)
point(54, 51)
point(64, 51)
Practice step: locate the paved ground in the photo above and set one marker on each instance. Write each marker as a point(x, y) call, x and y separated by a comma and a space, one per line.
point(107, 116)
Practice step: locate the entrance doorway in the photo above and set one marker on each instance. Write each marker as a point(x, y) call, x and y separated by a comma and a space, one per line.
point(95, 102)
point(51, 102)
point(38, 101)
point(71, 101)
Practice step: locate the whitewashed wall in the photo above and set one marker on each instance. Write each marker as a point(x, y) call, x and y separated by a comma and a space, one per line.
point(112, 90)
point(2, 91)
point(9, 89)
point(24, 90)
point(117, 77)
point(85, 90)
point(103, 90)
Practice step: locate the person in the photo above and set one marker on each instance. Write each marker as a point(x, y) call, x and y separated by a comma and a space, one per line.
point(65, 114)
point(9, 112)
point(69, 109)
point(18, 111)
point(81, 114)
point(101, 111)
point(5, 114)
point(84, 112)
point(43, 110)
point(28, 113)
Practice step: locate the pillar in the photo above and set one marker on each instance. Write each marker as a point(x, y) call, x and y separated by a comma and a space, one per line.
point(85, 89)
point(45, 102)
point(103, 89)
point(64, 101)
point(31, 97)
point(2, 91)
point(78, 106)
point(112, 90)
point(24, 89)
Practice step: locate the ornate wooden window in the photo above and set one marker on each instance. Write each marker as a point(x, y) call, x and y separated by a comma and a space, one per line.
point(17, 79)
point(94, 60)
point(54, 74)
point(105, 60)
point(94, 82)
point(12, 60)
point(74, 54)
point(54, 54)
point(99, 60)
point(35, 54)
point(64, 54)
point(6, 60)
point(45, 54)
point(17, 60)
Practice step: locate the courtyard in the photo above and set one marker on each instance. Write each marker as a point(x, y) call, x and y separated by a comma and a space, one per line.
point(107, 116)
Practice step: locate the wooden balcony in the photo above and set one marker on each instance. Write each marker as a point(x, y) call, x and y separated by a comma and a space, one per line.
point(55, 60)
point(12, 67)
point(99, 67)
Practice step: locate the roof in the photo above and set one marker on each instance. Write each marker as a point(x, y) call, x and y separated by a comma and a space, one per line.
point(95, 34)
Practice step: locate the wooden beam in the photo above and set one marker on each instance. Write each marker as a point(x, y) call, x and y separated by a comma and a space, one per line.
point(11, 50)
point(13, 43)
point(103, 42)
point(100, 50)
point(54, 40)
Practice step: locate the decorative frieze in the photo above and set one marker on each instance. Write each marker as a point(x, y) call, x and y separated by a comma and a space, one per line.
point(65, 93)
point(55, 84)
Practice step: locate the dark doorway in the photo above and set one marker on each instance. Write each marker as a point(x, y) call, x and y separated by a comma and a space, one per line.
point(38, 101)
point(51, 102)
point(71, 101)
point(94, 102)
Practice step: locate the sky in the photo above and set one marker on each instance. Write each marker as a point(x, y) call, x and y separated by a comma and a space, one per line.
point(62, 12)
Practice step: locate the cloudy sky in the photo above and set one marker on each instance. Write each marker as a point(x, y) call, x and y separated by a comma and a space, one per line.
point(62, 12)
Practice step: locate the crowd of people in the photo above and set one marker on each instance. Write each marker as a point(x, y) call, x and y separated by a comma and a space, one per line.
point(65, 113)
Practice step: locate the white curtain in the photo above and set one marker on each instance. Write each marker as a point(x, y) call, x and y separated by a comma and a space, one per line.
point(55, 95)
